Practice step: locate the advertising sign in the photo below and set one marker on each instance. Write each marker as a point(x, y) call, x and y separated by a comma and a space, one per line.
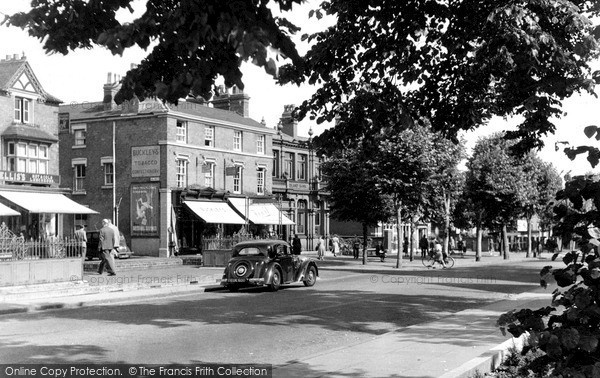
point(144, 210)
point(145, 161)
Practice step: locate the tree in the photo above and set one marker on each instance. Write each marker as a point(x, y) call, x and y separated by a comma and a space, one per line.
point(192, 42)
point(454, 63)
point(355, 195)
point(497, 186)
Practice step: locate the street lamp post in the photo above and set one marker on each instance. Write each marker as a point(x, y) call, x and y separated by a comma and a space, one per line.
point(310, 173)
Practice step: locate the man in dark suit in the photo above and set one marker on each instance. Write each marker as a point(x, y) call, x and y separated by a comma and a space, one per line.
point(108, 240)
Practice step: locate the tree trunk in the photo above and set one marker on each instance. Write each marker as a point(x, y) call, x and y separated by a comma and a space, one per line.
point(505, 246)
point(364, 243)
point(411, 240)
point(478, 248)
point(446, 222)
point(529, 237)
point(400, 235)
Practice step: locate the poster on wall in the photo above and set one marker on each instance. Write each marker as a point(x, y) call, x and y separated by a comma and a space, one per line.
point(144, 210)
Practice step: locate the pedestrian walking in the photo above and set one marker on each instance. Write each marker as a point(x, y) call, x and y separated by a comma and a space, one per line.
point(117, 237)
point(335, 245)
point(106, 245)
point(424, 246)
point(81, 240)
point(296, 245)
point(321, 249)
point(355, 247)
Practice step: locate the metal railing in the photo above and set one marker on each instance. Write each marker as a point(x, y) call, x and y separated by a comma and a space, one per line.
point(14, 248)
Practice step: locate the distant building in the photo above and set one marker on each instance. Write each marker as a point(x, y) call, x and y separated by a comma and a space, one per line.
point(297, 183)
point(169, 175)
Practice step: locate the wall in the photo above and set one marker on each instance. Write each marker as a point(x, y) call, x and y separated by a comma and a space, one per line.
point(29, 272)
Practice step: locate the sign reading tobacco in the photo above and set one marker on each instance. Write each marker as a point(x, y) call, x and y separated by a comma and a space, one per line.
point(145, 161)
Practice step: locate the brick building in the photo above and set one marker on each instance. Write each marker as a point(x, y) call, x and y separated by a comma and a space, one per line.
point(167, 174)
point(297, 182)
point(29, 172)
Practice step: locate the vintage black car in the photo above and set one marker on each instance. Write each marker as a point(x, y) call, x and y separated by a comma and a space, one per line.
point(267, 262)
point(93, 238)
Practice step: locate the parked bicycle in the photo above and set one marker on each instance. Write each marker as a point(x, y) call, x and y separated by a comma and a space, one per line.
point(429, 261)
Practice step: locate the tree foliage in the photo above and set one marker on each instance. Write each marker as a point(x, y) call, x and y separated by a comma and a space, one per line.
point(454, 63)
point(192, 42)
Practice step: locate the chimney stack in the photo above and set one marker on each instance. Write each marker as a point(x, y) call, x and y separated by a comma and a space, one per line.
point(234, 100)
point(110, 90)
point(288, 122)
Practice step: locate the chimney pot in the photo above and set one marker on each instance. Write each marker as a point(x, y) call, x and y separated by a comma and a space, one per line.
point(8, 57)
point(108, 78)
point(16, 56)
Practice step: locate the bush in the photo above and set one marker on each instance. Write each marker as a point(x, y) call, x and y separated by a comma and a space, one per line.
point(551, 245)
point(567, 331)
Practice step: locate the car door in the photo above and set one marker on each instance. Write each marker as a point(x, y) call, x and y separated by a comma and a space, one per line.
point(284, 257)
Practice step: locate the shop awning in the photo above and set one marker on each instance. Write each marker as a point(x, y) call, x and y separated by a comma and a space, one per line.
point(214, 212)
point(6, 211)
point(261, 213)
point(52, 203)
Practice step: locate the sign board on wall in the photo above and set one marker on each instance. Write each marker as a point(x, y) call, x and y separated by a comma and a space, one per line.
point(145, 161)
point(145, 209)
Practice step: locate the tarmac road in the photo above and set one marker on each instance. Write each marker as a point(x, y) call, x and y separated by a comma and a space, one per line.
point(347, 315)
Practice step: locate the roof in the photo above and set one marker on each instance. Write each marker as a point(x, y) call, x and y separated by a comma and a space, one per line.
point(261, 242)
point(93, 110)
point(29, 133)
point(11, 71)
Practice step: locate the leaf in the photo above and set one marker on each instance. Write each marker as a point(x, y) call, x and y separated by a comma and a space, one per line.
point(588, 343)
point(569, 338)
point(589, 131)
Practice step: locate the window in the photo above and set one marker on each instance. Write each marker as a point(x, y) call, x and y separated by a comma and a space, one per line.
point(301, 218)
point(79, 134)
point(260, 181)
point(289, 165)
point(237, 180)
point(109, 171)
point(27, 157)
point(302, 159)
point(79, 177)
point(237, 140)
point(275, 163)
point(209, 136)
point(181, 173)
point(181, 135)
point(209, 174)
point(317, 215)
point(23, 109)
point(260, 145)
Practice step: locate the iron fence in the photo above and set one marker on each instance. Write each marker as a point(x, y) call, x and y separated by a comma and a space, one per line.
point(14, 248)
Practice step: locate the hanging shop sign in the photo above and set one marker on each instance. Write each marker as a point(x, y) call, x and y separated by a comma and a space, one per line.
point(144, 209)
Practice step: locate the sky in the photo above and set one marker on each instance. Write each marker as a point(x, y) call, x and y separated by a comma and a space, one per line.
point(80, 75)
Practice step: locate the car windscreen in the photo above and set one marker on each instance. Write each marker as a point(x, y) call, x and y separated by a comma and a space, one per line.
point(250, 251)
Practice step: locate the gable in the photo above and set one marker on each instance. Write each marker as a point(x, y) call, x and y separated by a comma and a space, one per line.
point(24, 83)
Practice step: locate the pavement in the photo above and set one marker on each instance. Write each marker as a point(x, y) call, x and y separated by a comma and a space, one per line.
point(458, 345)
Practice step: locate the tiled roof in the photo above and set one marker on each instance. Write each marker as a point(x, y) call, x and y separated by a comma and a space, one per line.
point(91, 110)
point(29, 133)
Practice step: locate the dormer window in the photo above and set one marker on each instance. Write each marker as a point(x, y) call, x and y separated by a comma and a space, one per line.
point(23, 110)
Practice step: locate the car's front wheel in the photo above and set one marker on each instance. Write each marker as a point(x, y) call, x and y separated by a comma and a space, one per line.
point(311, 277)
point(275, 281)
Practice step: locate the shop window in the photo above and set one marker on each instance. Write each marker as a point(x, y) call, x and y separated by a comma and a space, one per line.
point(301, 218)
point(23, 110)
point(260, 145)
point(209, 136)
point(260, 181)
point(237, 140)
point(181, 135)
point(181, 173)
